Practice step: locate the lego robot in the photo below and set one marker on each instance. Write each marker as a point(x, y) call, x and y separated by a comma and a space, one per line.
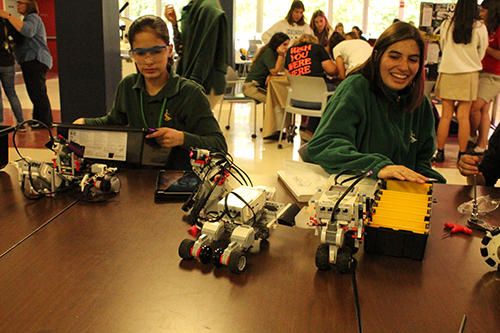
point(67, 170)
point(227, 205)
point(338, 214)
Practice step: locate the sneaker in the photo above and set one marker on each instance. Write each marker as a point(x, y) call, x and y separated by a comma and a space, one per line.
point(275, 136)
point(36, 125)
point(439, 157)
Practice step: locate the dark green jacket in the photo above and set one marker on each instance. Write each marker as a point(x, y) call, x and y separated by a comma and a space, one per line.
point(262, 66)
point(188, 110)
point(205, 45)
point(362, 130)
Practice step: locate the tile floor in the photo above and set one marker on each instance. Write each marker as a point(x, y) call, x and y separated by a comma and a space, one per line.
point(255, 156)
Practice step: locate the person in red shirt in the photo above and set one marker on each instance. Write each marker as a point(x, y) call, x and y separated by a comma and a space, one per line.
point(489, 79)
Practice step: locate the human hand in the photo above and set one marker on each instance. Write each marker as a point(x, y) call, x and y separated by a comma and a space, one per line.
point(4, 14)
point(167, 137)
point(468, 165)
point(402, 173)
point(281, 50)
point(79, 121)
point(170, 14)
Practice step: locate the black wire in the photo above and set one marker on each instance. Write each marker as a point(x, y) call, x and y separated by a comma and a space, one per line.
point(356, 295)
point(339, 200)
point(357, 172)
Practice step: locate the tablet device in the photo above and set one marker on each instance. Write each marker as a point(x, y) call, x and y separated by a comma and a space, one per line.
point(175, 185)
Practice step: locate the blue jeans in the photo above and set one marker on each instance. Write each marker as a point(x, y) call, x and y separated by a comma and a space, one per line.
point(7, 77)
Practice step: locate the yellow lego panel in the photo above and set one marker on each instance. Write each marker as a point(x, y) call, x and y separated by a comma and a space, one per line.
point(408, 187)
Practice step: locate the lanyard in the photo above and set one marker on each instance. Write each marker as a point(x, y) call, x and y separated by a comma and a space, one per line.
point(161, 112)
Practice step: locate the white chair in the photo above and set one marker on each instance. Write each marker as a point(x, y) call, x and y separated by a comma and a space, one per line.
point(233, 84)
point(307, 96)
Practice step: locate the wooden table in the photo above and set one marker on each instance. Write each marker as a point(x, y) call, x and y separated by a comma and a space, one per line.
point(405, 295)
point(114, 267)
point(20, 216)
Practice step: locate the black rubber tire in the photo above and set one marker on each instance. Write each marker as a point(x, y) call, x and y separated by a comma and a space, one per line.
point(254, 136)
point(344, 260)
point(237, 262)
point(185, 249)
point(216, 257)
point(206, 254)
point(228, 127)
point(280, 146)
point(323, 257)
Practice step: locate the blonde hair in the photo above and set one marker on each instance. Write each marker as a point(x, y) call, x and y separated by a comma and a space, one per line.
point(306, 39)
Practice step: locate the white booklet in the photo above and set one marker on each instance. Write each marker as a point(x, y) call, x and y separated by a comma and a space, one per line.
point(303, 179)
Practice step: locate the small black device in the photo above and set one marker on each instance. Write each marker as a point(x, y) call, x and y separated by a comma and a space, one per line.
point(175, 185)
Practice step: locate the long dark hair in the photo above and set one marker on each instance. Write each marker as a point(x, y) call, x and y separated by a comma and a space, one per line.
point(289, 17)
point(334, 39)
point(149, 23)
point(493, 18)
point(396, 32)
point(464, 19)
point(277, 39)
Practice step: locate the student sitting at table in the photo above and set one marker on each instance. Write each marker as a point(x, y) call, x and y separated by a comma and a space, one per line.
point(307, 57)
point(293, 24)
point(378, 119)
point(487, 168)
point(158, 98)
point(350, 53)
point(268, 62)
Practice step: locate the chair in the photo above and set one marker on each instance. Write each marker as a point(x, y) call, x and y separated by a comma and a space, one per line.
point(232, 83)
point(307, 96)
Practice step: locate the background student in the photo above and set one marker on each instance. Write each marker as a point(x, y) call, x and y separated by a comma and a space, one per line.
point(8, 72)
point(464, 39)
point(350, 53)
point(293, 25)
point(202, 45)
point(489, 78)
point(321, 28)
point(34, 57)
point(268, 62)
point(307, 57)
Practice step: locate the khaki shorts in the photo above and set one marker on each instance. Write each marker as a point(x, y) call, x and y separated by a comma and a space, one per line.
point(250, 89)
point(457, 87)
point(489, 86)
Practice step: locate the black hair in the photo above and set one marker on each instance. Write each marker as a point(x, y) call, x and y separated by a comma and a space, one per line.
point(396, 32)
point(149, 23)
point(334, 39)
point(289, 17)
point(277, 39)
point(463, 21)
point(493, 19)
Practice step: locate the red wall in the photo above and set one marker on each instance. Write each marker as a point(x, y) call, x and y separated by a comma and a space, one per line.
point(47, 13)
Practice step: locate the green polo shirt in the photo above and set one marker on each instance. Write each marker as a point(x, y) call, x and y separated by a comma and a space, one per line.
point(186, 109)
